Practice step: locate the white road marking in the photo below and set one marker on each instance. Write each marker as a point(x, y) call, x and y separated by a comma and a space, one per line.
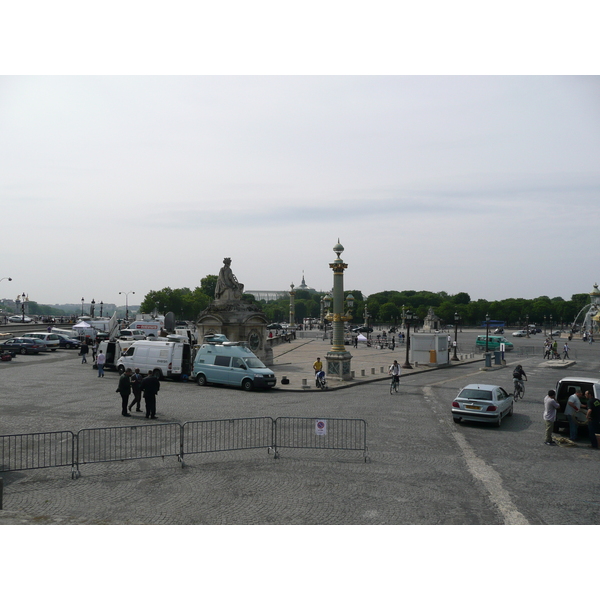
point(488, 476)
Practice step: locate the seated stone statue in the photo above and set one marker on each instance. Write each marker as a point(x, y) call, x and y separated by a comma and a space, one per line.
point(228, 287)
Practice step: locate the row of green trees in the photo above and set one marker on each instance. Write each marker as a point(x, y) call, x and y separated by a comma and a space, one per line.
point(383, 307)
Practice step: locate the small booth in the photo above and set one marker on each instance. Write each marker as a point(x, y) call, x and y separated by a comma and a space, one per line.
point(429, 348)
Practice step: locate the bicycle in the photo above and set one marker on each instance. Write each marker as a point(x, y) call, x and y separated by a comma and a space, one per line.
point(321, 381)
point(395, 384)
point(519, 390)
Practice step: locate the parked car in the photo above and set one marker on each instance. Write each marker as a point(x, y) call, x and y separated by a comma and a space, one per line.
point(482, 403)
point(68, 342)
point(520, 333)
point(274, 326)
point(494, 342)
point(17, 319)
point(363, 330)
point(50, 339)
point(22, 345)
point(556, 333)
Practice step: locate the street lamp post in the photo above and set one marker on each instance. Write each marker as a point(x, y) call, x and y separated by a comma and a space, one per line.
point(82, 301)
point(93, 309)
point(23, 299)
point(551, 326)
point(527, 325)
point(456, 320)
point(487, 332)
point(326, 305)
point(338, 358)
point(127, 304)
point(292, 307)
point(101, 307)
point(544, 325)
point(407, 319)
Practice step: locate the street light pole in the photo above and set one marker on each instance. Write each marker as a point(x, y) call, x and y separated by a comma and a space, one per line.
point(127, 304)
point(82, 306)
point(527, 320)
point(487, 332)
point(407, 319)
point(456, 319)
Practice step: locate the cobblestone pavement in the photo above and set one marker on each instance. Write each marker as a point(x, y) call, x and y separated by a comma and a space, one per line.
point(422, 468)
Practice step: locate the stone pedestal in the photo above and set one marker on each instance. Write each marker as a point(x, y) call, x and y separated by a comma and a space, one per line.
point(338, 365)
point(239, 322)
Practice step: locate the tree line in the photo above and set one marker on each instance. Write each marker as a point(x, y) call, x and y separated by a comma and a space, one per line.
point(382, 308)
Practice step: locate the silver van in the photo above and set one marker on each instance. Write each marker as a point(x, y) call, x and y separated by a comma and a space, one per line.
point(51, 340)
point(230, 363)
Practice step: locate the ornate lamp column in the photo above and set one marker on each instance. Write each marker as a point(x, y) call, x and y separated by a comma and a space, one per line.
point(456, 320)
point(292, 306)
point(338, 358)
point(93, 309)
point(101, 307)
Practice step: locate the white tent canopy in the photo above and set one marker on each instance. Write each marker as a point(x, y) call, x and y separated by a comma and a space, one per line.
point(82, 325)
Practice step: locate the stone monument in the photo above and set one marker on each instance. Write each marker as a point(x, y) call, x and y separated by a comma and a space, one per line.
point(239, 320)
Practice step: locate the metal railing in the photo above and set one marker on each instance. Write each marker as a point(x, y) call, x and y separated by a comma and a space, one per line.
point(107, 444)
point(19, 452)
point(23, 451)
point(320, 434)
point(226, 434)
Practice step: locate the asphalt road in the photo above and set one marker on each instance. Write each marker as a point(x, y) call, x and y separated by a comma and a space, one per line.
point(423, 468)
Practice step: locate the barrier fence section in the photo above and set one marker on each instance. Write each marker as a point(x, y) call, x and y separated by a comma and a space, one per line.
point(226, 434)
point(19, 452)
point(320, 434)
point(109, 444)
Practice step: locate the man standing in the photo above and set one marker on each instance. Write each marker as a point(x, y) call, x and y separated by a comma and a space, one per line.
point(550, 406)
point(100, 361)
point(84, 352)
point(573, 406)
point(593, 417)
point(124, 389)
point(150, 387)
point(136, 387)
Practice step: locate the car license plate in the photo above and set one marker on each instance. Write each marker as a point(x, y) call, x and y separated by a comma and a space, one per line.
point(472, 407)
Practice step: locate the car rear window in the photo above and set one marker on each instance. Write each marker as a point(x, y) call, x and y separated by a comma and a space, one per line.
point(476, 394)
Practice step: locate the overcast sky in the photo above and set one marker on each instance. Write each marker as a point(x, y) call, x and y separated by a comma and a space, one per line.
point(488, 185)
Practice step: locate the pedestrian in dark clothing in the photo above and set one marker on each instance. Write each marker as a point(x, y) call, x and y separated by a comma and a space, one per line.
point(124, 389)
point(150, 387)
point(593, 417)
point(136, 388)
point(84, 352)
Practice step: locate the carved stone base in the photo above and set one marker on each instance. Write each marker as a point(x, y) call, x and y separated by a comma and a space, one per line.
point(338, 365)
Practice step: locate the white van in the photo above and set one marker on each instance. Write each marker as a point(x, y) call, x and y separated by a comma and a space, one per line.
point(148, 328)
point(231, 364)
point(113, 350)
point(170, 358)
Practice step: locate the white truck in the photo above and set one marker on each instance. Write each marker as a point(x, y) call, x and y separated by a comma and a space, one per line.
point(169, 358)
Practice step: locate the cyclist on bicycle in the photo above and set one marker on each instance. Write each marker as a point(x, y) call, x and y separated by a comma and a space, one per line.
point(518, 375)
point(394, 371)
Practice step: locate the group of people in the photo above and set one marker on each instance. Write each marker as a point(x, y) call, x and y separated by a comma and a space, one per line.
point(577, 402)
point(134, 382)
point(551, 350)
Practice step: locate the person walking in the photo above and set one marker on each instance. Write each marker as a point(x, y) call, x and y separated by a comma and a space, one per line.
point(550, 406)
point(84, 352)
point(100, 362)
point(136, 388)
point(565, 351)
point(124, 388)
point(573, 406)
point(593, 417)
point(150, 387)
point(94, 350)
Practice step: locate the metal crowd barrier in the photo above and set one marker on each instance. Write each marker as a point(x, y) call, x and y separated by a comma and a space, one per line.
point(107, 444)
point(320, 434)
point(226, 434)
point(19, 452)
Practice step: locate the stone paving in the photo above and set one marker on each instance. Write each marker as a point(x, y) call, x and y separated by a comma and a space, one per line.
point(413, 472)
